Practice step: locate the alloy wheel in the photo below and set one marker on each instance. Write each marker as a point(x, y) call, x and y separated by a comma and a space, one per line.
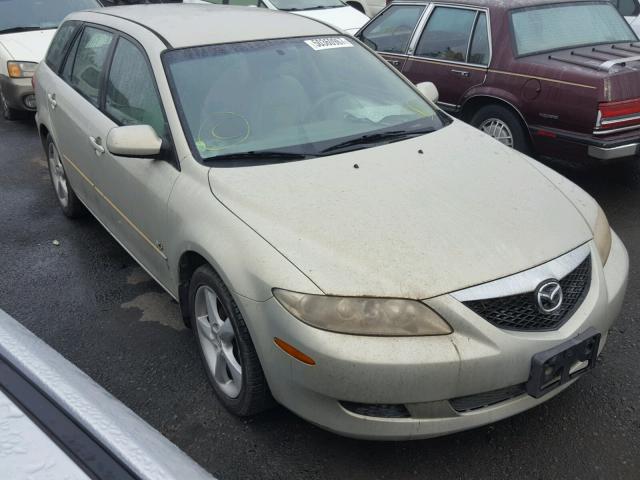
point(499, 130)
point(58, 176)
point(218, 341)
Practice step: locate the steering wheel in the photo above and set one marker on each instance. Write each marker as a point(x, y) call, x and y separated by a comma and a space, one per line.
point(318, 108)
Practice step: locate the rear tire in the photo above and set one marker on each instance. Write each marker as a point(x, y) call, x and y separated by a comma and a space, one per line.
point(8, 113)
point(502, 124)
point(71, 206)
point(225, 346)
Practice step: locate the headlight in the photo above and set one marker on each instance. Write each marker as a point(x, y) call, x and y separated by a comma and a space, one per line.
point(602, 235)
point(21, 69)
point(390, 317)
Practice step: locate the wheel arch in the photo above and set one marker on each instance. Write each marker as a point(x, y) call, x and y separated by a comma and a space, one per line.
point(44, 133)
point(475, 102)
point(190, 260)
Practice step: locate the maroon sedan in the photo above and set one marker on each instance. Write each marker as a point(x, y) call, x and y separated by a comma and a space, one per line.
point(556, 78)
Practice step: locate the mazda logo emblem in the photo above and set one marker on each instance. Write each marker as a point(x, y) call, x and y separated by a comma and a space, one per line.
point(549, 296)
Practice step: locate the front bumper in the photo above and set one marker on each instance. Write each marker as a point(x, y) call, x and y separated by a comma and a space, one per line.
point(18, 92)
point(423, 374)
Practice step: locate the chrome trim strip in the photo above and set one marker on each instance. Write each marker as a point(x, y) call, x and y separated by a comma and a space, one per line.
point(615, 130)
point(528, 280)
point(606, 66)
point(627, 118)
point(622, 151)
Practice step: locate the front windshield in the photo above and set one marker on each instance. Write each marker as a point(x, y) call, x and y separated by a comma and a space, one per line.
point(300, 95)
point(38, 14)
point(567, 25)
point(291, 5)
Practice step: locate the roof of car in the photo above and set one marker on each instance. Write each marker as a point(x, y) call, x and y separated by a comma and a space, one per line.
point(497, 4)
point(184, 25)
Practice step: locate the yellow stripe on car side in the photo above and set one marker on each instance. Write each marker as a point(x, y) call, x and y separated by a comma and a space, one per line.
point(480, 69)
point(114, 206)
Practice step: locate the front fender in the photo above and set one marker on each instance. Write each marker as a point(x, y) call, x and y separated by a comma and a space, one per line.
point(248, 264)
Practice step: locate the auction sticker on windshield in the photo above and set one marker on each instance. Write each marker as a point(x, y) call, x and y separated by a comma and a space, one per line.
point(328, 42)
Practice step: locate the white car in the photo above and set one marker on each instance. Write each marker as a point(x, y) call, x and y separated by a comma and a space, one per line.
point(26, 29)
point(334, 239)
point(333, 12)
point(368, 7)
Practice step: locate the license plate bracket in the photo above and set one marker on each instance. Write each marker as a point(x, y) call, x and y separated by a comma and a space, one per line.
point(553, 367)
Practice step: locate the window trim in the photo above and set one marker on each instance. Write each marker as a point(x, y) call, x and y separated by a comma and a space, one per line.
point(106, 60)
point(407, 50)
point(172, 156)
point(78, 26)
point(423, 25)
point(514, 44)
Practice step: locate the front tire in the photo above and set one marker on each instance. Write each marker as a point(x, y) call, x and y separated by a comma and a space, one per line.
point(225, 346)
point(502, 124)
point(69, 203)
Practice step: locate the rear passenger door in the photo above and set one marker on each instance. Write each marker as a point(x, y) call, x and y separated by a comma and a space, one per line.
point(453, 51)
point(74, 102)
point(390, 33)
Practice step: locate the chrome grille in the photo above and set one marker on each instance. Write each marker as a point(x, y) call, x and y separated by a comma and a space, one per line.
point(520, 312)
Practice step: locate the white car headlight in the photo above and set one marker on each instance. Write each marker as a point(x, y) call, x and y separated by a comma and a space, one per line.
point(602, 235)
point(21, 69)
point(389, 317)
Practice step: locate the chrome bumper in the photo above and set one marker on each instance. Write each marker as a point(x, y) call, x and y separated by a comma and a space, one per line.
point(622, 151)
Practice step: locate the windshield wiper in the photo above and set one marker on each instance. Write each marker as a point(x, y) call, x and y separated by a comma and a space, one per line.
point(388, 137)
point(269, 155)
point(25, 29)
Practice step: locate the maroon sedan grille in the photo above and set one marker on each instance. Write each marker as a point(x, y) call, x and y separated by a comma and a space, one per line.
point(520, 312)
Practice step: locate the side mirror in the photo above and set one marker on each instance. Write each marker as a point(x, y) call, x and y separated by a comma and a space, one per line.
point(429, 90)
point(134, 141)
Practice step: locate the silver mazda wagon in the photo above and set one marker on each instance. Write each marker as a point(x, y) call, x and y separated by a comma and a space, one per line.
point(337, 243)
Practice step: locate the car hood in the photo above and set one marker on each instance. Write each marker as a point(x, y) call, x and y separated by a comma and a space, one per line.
point(28, 46)
point(390, 221)
point(346, 18)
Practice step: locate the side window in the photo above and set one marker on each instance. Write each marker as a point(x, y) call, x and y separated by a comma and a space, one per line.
point(59, 45)
point(628, 8)
point(131, 97)
point(391, 31)
point(245, 3)
point(84, 70)
point(447, 33)
point(479, 51)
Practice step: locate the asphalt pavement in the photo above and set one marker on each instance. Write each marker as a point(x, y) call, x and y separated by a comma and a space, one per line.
point(88, 299)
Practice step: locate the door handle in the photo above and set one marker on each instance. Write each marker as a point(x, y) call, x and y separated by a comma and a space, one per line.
point(462, 73)
point(52, 100)
point(395, 63)
point(96, 143)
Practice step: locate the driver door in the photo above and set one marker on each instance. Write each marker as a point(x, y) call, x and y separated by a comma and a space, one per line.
point(135, 191)
point(390, 33)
